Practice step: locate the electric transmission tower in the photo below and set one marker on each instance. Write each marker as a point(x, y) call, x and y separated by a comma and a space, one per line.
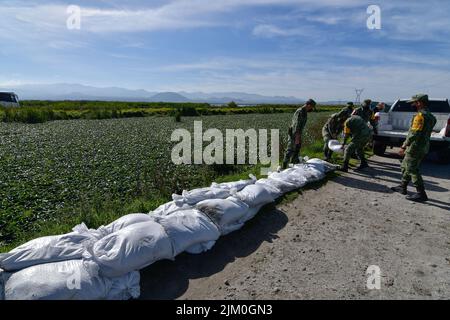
point(358, 96)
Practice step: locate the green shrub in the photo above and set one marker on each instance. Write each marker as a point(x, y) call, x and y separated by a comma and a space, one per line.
point(232, 104)
point(189, 111)
point(177, 116)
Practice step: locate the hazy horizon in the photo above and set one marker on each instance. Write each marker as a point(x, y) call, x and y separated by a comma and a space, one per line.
point(75, 91)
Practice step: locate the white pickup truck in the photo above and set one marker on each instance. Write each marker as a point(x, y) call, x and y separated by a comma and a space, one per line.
point(393, 127)
point(9, 99)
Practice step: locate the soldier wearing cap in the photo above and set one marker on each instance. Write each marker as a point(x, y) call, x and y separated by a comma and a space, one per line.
point(295, 133)
point(415, 148)
point(379, 108)
point(366, 113)
point(359, 130)
point(333, 127)
point(350, 107)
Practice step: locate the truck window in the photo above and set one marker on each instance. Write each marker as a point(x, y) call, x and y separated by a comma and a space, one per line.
point(434, 106)
point(7, 97)
point(403, 106)
point(439, 106)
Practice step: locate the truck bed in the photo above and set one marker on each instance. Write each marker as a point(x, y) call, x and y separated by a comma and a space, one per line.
point(435, 136)
point(401, 121)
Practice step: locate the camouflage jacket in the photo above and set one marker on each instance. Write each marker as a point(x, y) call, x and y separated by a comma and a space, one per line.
point(334, 125)
point(356, 126)
point(367, 114)
point(418, 140)
point(299, 120)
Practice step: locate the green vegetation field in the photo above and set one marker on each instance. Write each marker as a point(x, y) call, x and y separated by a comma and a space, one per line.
point(43, 111)
point(56, 174)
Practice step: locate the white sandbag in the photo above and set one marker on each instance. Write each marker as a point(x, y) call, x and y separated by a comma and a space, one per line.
point(125, 287)
point(68, 280)
point(188, 228)
point(169, 208)
point(237, 186)
point(195, 196)
point(223, 212)
point(124, 222)
point(272, 187)
point(335, 146)
point(254, 195)
point(231, 228)
point(281, 185)
point(250, 214)
point(200, 247)
point(69, 246)
point(3, 279)
point(131, 248)
point(291, 176)
point(309, 172)
point(322, 165)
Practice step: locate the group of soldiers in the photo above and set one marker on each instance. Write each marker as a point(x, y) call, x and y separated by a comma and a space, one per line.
point(360, 125)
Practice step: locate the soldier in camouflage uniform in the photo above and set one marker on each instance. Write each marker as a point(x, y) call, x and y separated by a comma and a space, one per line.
point(333, 128)
point(415, 148)
point(295, 133)
point(350, 107)
point(361, 134)
point(367, 114)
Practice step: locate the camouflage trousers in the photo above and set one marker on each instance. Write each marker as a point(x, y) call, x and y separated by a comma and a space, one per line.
point(411, 169)
point(327, 136)
point(358, 144)
point(292, 153)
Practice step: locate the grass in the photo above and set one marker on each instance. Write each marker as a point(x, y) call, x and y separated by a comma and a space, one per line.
point(58, 174)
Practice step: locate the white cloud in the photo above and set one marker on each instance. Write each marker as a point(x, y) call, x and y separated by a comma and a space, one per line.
point(299, 77)
point(269, 31)
point(416, 20)
point(177, 14)
point(260, 63)
point(412, 19)
point(64, 44)
point(395, 55)
point(10, 83)
point(392, 71)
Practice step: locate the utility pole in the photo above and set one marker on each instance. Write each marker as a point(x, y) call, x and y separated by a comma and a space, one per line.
point(358, 96)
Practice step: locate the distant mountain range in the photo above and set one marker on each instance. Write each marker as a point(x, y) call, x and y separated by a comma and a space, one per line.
point(64, 91)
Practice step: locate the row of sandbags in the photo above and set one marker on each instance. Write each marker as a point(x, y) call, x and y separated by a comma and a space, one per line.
point(104, 263)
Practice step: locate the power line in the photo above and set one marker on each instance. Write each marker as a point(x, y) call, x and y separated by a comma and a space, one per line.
point(358, 96)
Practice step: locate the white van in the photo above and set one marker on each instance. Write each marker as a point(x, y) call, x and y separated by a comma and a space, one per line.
point(9, 99)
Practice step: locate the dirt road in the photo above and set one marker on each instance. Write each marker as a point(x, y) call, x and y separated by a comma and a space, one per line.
point(320, 246)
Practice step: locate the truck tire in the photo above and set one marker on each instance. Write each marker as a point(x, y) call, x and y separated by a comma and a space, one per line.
point(379, 148)
point(443, 156)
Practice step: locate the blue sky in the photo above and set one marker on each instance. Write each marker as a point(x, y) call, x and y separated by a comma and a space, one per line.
point(303, 48)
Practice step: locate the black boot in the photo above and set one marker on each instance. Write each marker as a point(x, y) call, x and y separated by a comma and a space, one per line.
point(420, 196)
point(344, 167)
point(363, 165)
point(327, 154)
point(401, 188)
